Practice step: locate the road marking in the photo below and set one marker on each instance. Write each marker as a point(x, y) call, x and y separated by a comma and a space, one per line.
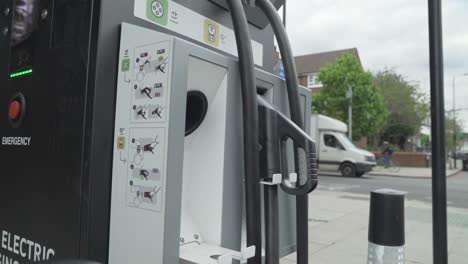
point(338, 187)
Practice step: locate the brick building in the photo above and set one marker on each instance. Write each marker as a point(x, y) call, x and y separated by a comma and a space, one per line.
point(308, 66)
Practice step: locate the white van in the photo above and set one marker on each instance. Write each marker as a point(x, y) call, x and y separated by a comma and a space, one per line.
point(335, 151)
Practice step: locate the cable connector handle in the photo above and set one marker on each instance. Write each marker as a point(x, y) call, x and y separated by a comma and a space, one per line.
point(275, 130)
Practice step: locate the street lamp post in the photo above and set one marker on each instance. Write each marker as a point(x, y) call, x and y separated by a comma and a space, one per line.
point(349, 96)
point(455, 122)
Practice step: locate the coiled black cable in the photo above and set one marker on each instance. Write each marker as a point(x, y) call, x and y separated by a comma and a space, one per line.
point(250, 116)
point(302, 202)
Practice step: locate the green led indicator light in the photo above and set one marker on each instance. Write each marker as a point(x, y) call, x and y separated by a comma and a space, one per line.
point(21, 73)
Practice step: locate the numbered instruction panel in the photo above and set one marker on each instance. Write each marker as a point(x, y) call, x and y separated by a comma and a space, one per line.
point(140, 150)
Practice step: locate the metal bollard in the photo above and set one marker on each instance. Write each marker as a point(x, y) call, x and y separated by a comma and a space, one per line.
point(386, 227)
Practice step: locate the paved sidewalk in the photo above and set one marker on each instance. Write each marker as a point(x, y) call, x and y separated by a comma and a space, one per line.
point(338, 224)
point(413, 172)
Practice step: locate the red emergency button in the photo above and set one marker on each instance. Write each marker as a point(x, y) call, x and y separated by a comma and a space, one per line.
point(15, 110)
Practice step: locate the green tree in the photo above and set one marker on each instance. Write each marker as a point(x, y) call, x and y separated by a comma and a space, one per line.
point(463, 137)
point(453, 126)
point(369, 111)
point(408, 108)
point(450, 128)
point(426, 141)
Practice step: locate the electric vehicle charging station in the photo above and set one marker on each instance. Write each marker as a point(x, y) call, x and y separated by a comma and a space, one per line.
point(122, 134)
point(209, 151)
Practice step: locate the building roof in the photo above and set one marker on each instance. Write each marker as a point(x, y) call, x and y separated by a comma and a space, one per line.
point(312, 63)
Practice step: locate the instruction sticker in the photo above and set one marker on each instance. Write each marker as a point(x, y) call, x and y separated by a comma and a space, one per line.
point(149, 96)
point(141, 138)
point(145, 168)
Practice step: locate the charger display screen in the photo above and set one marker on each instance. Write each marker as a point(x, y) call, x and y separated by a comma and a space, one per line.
point(25, 20)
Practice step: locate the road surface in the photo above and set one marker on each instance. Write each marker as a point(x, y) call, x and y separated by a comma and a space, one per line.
point(417, 189)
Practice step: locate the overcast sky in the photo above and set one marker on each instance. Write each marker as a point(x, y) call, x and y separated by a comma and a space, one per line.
point(387, 33)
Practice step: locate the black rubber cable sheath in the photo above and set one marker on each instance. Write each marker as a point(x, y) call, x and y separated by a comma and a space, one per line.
point(250, 119)
point(271, 225)
point(288, 60)
point(302, 202)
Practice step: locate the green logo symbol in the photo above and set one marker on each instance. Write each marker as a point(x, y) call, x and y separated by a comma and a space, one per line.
point(157, 11)
point(125, 65)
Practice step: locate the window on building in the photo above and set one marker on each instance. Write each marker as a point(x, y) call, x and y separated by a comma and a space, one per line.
point(313, 80)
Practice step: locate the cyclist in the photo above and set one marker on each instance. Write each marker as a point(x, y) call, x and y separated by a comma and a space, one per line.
point(387, 153)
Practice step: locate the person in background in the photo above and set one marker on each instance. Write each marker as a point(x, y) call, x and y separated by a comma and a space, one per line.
point(387, 153)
